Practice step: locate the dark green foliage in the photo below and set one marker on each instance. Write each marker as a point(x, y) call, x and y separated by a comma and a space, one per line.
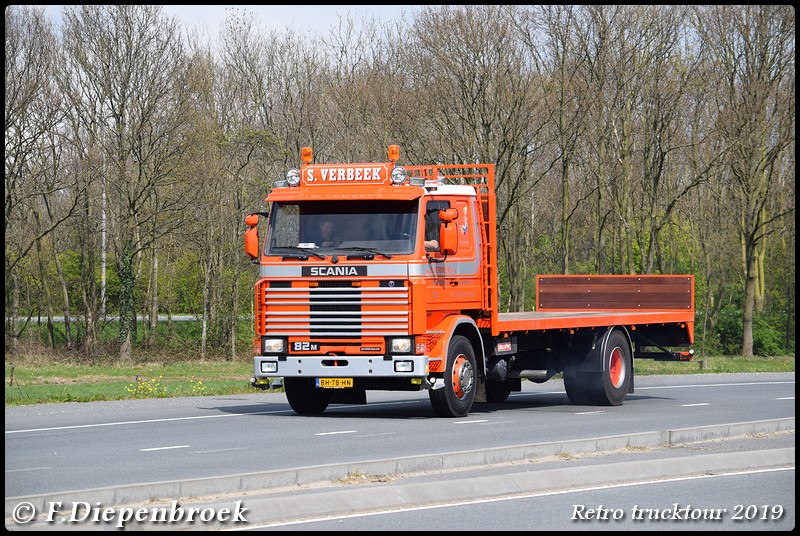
point(729, 330)
point(767, 336)
point(768, 333)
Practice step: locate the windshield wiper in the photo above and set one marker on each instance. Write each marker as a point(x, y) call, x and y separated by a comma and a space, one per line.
point(368, 250)
point(304, 250)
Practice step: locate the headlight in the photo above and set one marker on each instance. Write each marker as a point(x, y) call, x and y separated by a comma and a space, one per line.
point(273, 346)
point(293, 177)
point(399, 175)
point(401, 346)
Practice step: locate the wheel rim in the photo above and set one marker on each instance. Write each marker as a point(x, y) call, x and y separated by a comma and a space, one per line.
point(462, 376)
point(616, 368)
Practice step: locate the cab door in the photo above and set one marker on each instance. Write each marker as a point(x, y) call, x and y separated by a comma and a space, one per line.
point(455, 278)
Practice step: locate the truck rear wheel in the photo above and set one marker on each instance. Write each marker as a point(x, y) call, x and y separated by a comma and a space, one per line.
point(577, 385)
point(456, 397)
point(617, 371)
point(609, 387)
point(304, 397)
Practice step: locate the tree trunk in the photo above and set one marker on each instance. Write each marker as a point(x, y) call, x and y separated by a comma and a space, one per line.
point(758, 266)
point(65, 293)
point(48, 300)
point(12, 332)
point(127, 307)
point(234, 320)
point(90, 335)
point(749, 305)
point(125, 353)
point(153, 300)
point(206, 307)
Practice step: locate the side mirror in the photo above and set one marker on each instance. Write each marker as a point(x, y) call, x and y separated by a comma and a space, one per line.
point(448, 214)
point(251, 240)
point(448, 231)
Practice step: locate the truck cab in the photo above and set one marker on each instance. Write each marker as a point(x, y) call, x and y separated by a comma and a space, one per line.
point(364, 273)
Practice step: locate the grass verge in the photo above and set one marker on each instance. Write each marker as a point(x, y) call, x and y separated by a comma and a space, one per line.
point(68, 382)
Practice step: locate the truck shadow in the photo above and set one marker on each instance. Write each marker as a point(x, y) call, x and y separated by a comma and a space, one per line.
point(420, 408)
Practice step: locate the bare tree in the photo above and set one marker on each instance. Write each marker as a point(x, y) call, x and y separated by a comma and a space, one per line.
point(240, 130)
point(479, 105)
point(560, 48)
point(127, 66)
point(32, 114)
point(753, 48)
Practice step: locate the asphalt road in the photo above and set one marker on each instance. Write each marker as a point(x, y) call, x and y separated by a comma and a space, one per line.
point(130, 452)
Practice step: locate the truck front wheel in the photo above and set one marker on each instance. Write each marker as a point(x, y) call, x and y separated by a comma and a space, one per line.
point(456, 397)
point(304, 397)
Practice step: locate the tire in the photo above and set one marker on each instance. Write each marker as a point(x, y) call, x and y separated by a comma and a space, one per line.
point(304, 397)
point(617, 371)
point(578, 386)
point(497, 391)
point(460, 381)
point(610, 386)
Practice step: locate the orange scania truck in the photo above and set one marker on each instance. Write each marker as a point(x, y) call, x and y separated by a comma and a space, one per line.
point(376, 276)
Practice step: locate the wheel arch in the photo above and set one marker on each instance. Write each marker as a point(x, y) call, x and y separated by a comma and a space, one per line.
point(604, 349)
point(607, 335)
point(460, 325)
point(585, 354)
point(471, 332)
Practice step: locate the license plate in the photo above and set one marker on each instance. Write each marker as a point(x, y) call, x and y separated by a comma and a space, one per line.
point(335, 383)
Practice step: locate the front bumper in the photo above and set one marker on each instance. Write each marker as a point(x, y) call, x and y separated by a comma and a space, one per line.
point(393, 366)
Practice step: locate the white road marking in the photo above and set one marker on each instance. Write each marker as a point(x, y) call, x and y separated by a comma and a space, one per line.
point(708, 385)
point(29, 469)
point(146, 421)
point(166, 448)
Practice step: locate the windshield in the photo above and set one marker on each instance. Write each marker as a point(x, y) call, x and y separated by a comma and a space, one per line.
point(380, 227)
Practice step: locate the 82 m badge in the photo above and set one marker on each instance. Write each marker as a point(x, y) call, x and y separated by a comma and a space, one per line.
point(305, 346)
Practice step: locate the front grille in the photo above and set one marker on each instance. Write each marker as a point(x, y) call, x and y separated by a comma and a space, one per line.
point(333, 309)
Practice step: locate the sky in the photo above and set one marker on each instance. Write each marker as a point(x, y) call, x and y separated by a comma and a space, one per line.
point(300, 17)
point(208, 19)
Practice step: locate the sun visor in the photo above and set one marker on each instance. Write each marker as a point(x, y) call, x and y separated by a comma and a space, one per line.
point(402, 192)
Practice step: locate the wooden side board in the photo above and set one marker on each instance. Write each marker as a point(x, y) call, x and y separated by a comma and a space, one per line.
point(615, 292)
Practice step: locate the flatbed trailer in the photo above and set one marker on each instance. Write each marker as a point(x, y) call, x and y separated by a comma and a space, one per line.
point(649, 304)
point(407, 298)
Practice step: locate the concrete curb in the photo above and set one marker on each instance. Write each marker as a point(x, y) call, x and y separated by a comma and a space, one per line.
point(272, 480)
point(284, 509)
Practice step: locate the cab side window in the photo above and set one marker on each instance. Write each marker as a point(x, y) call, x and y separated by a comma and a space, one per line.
point(432, 223)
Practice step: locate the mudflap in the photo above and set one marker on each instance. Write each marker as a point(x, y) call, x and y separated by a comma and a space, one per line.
point(480, 392)
point(349, 396)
